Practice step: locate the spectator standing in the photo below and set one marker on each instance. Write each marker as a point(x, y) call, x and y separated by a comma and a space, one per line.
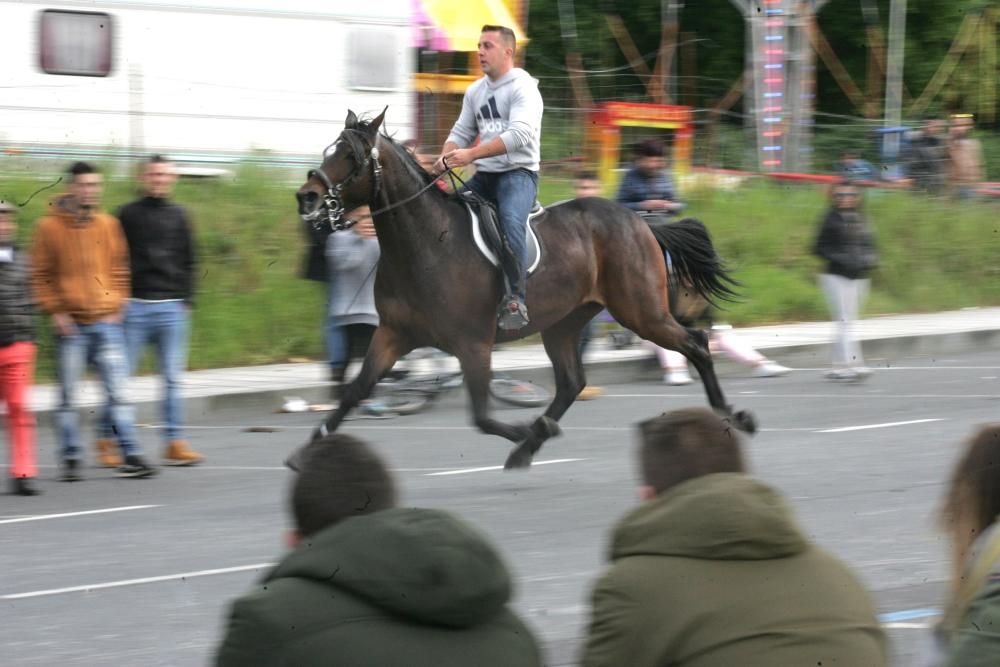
point(352, 257)
point(17, 355)
point(969, 632)
point(163, 264)
point(80, 277)
point(847, 244)
point(368, 583)
point(711, 568)
point(929, 157)
point(965, 159)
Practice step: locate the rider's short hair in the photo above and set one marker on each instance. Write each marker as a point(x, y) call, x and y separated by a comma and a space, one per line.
point(157, 158)
point(586, 175)
point(685, 444)
point(340, 477)
point(506, 35)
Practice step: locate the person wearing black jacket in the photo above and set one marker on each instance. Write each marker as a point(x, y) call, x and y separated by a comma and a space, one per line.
point(847, 244)
point(163, 261)
point(17, 354)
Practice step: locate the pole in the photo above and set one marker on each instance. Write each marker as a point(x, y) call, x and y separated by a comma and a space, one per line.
point(894, 78)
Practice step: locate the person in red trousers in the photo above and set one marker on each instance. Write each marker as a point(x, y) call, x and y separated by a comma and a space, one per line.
point(17, 354)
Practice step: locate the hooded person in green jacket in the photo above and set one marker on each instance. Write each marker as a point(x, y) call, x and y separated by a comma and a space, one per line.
point(712, 571)
point(370, 584)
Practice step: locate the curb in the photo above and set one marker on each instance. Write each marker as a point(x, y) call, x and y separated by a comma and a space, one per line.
point(644, 368)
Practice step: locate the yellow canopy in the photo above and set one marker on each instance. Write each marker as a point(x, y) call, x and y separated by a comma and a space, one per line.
point(462, 20)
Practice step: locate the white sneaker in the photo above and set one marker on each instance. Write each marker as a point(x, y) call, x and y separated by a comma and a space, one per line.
point(770, 369)
point(677, 378)
point(841, 374)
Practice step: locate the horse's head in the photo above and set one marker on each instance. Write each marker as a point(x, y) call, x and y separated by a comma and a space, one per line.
point(348, 177)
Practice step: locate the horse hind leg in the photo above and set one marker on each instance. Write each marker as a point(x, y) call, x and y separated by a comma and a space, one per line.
point(562, 344)
point(386, 348)
point(693, 344)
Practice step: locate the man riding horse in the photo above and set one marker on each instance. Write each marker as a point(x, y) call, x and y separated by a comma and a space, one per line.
point(504, 109)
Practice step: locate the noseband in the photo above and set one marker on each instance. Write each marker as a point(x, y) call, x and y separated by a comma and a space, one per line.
point(333, 201)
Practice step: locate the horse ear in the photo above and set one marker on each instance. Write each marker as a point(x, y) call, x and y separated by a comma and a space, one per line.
point(377, 123)
point(352, 120)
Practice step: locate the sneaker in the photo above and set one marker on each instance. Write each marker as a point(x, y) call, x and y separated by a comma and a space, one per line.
point(589, 393)
point(841, 374)
point(770, 369)
point(107, 453)
point(513, 314)
point(678, 377)
point(180, 454)
point(24, 486)
point(135, 467)
point(70, 471)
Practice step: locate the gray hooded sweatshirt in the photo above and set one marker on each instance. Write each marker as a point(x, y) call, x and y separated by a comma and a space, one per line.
point(510, 108)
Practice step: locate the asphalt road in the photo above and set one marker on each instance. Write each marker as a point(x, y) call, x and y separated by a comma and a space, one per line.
point(147, 581)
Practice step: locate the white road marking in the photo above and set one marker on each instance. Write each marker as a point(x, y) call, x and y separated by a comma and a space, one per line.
point(135, 582)
point(906, 625)
point(42, 517)
point(844, 429)
point(862, 395)
point(464, 471)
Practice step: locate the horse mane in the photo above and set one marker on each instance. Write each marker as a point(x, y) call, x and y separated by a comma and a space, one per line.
point(408, 160)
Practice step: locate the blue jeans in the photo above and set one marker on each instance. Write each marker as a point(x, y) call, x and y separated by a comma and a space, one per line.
point(514, 193)
point(164, 325)
point(103, 345)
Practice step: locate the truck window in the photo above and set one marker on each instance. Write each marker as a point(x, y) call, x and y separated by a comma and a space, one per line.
point(75, 43)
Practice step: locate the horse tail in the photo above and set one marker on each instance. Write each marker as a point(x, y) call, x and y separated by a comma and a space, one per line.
point(694, 260)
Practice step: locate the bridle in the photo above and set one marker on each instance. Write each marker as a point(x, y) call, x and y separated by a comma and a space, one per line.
point(333, 200)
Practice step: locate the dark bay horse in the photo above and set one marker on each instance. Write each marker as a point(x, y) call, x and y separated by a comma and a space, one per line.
point(434, 289)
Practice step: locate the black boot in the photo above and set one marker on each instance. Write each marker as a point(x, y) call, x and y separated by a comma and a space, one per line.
point(25, 486)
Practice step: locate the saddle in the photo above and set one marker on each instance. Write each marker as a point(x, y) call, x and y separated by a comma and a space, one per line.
point(488, 235)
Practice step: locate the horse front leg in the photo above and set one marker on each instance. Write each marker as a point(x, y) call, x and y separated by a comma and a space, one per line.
point(475, 362)
point(386, 348)
point(695, 347)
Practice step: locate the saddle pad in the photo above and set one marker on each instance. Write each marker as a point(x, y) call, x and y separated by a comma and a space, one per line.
point(534, 250)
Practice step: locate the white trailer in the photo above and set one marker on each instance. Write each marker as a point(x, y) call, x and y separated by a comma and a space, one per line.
point(204, 81)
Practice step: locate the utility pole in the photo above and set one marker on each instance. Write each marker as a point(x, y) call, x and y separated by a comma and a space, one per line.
point(894, 78)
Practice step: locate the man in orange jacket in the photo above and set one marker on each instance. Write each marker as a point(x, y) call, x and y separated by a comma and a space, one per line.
point(80, 277)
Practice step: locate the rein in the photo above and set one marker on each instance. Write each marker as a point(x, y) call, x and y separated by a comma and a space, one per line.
point(333, 201)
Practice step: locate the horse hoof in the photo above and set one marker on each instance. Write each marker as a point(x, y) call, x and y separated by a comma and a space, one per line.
point(745, 421)
point(545, 428)
point(519, 459)
point(294, 460)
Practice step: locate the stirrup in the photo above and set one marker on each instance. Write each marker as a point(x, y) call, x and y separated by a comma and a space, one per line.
point(513, 314)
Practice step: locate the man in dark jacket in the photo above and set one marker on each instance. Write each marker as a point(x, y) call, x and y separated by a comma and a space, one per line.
point(646, 187)
point(17, 355)
point(163, 264)
point(368, 583)
point(711, 569)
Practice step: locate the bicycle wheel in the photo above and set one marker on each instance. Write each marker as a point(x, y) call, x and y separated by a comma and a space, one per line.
point(403, 401)
point(521, 394)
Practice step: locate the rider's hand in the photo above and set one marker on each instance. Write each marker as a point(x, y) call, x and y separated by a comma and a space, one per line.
point(459, 157)
point(438, 167)
point(654, 205)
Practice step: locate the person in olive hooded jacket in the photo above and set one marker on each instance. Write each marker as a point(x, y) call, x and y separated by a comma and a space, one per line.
point(712, 571)
point(368, 583)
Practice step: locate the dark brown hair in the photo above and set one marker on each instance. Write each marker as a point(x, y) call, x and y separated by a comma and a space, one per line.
point(685, 444)
point(340, 477)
